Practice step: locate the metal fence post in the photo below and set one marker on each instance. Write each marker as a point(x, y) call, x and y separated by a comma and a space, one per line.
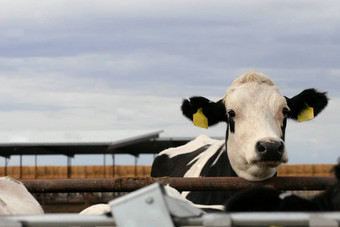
point(150, 206)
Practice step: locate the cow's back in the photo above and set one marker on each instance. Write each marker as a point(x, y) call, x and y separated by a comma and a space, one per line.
point(187, 160)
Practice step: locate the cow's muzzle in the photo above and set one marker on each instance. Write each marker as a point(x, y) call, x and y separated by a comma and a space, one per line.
point(269, 150)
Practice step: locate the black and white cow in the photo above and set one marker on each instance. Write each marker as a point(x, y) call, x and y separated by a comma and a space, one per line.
point(255, 114)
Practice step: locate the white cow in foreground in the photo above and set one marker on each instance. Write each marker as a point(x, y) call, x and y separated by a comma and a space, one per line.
point(102, 208)
point(16, 199)
point(97, 209)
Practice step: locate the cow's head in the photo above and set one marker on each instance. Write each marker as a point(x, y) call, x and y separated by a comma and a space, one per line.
point(256, 115)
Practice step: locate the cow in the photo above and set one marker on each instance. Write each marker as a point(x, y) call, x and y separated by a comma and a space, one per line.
point(97, 209)
point(16, 199)
point(255, 114)
point(270, 199)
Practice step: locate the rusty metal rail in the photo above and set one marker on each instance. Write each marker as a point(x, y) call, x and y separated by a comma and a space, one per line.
point(129, 184)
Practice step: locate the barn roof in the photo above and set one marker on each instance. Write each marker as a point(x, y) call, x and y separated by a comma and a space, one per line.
point(70, 143)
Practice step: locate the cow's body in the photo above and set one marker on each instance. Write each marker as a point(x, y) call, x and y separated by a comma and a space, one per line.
point(255, 114)
point(15, 199)
point(201, 157)
point(195, 159)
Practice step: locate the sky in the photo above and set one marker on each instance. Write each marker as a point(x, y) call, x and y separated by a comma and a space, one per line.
point(127, 65)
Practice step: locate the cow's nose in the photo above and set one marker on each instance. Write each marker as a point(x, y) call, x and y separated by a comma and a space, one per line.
point(269, 150)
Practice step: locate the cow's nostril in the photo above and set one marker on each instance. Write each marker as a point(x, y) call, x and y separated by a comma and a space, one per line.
point(260, 147)
point(281, 148)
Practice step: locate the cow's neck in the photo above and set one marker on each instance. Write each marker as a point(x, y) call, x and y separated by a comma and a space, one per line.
point(229, 171)
point(221, 166)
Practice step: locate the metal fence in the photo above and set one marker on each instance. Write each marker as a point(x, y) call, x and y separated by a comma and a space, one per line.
point(128, 184)
point(316, 219)
point(151, 206)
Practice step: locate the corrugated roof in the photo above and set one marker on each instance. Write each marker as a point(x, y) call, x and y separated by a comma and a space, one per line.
point(71, 142)
point(105, 137)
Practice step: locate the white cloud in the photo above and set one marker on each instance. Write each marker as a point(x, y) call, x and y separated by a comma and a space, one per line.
point(128, 64)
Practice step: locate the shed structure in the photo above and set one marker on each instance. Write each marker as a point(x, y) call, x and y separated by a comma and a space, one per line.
point(70, 143)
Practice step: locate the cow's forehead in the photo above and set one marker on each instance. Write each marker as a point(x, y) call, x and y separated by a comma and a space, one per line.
point(254, 95)
point(254, 89)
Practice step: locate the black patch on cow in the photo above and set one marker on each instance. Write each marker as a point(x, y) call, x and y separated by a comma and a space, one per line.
point(310, 97)
point(336, 169)
point(232, 125)
point(252, 200)
point(176, 166)
point(267, 199)
point(209, 197)
point(329, 200)
point(227, 135)
point(231, 120)
point(283, 129)
point(221, 168)
point(208, 164)
point(215, 112)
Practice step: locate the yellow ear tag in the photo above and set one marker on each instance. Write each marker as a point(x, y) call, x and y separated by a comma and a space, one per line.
point(306, 114)
point(199, 119)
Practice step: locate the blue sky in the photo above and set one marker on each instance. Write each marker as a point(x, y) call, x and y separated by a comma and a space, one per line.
point(127, 65)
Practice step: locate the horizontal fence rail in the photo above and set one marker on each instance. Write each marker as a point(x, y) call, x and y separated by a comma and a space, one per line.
point(129, 184)
point(229, 219)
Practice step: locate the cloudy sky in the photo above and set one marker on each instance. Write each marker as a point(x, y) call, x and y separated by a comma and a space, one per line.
point(126, 65)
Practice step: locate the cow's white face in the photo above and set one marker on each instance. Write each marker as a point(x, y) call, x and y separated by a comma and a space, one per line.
point(256, 123)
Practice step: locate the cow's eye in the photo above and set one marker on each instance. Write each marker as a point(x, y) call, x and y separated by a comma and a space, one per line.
point(231, 113)
point(285, 111)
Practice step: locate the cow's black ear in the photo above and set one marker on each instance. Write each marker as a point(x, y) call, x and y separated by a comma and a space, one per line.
point(215, 112)
point(307, 98)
